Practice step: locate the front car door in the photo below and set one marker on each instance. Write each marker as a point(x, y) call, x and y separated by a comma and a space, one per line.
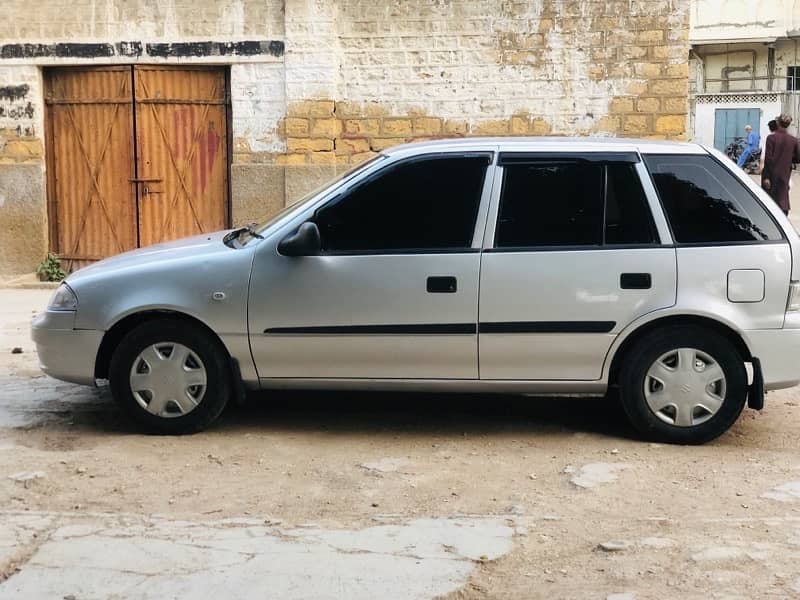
point(394, 292)
point(572, 257)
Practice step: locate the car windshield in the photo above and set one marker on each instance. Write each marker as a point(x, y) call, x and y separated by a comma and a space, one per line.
point(255, 231)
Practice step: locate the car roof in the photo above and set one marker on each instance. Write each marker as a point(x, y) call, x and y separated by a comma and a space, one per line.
point(547, 144)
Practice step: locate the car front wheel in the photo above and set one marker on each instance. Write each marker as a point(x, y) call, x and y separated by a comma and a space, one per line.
point(170, 376)
point(683, 385)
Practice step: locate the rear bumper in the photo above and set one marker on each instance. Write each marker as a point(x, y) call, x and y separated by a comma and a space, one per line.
point(65, 353)
point(778, 350)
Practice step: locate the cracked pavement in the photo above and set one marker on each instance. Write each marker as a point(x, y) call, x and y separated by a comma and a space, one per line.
point(336, 495)
point(156, 557)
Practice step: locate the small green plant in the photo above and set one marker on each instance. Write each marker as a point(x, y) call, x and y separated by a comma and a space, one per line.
point(50, 268)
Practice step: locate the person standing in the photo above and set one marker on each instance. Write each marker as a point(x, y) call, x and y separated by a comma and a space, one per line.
point(772, 125)
point(780, 152)
point(753, 143)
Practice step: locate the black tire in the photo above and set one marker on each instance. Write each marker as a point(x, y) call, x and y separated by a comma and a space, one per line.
point(214, 359)
point(644, 353)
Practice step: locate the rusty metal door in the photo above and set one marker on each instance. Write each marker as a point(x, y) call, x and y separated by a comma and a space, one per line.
point(90, 129)
point(181, 151)
point(137, 155)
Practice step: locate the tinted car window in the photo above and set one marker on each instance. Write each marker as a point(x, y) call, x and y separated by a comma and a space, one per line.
point(551, 204)
point(422, 204)
point(704, 202)
point(628, 218)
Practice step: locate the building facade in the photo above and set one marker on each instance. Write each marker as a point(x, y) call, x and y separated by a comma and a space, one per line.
point(128, 122)
point(745, 66)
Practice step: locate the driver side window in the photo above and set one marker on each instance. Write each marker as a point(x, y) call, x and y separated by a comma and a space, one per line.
point(424, 204)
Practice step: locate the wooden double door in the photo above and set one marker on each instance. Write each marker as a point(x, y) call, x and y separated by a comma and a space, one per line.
point(137, 155)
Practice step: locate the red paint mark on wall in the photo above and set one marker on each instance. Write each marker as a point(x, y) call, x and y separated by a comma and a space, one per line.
point(209, 148)
point(194, 151)
point(178, 132)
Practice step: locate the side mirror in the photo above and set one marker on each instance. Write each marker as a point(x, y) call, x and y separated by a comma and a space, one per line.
point(305, 241)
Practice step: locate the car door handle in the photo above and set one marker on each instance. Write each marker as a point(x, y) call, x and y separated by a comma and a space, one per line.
point(635, 281)
point(442, 285)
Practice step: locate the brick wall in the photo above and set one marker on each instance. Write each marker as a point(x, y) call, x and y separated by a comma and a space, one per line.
point(317, 85)
point(423, 69)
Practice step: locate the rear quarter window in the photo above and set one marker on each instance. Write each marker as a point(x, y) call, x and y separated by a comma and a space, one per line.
point(706, 203)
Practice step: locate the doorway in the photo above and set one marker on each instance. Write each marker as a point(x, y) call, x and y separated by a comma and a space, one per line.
point(137, 155)
point(729, 124)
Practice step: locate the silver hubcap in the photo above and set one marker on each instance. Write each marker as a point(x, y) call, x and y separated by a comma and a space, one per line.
point(685, 387)
point(168, 379)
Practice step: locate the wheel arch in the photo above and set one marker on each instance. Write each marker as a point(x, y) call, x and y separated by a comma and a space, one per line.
point(121, 328)
point(645, 329)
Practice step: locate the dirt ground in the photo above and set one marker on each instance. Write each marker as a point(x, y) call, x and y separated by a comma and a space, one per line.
point(589, 510)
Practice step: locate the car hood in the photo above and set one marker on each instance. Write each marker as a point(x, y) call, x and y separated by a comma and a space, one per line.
point(197, 247)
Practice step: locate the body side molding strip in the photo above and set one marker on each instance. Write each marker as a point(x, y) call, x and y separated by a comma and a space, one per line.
point(450, 328)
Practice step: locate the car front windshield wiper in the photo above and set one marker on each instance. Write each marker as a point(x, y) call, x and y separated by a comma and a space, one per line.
point(237, 233)
point(248, 229)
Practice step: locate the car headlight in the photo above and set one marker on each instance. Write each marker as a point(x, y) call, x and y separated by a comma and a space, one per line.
point(63, 299)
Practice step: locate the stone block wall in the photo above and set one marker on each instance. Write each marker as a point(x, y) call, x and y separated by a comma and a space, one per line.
point(319, 85)
point(422, 69)
point(23, 237)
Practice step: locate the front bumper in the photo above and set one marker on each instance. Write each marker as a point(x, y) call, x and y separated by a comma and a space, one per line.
point(65, 353)
point(779, 353)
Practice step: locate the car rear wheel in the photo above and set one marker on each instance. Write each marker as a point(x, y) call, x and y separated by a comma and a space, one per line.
point(170, 376)
point(683, 385)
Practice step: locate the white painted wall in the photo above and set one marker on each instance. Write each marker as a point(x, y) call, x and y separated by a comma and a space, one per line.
point(705, 115)
point(258, 105)
point(23, 115)
point(716, 57)
point(718, 20)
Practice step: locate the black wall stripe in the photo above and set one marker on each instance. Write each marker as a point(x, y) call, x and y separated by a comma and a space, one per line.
point(136, 49)
point(71, 50)
point(451, 328)
point(245, 48)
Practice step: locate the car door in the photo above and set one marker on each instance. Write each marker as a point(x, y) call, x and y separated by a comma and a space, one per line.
point(573, 256)
point(393, 294)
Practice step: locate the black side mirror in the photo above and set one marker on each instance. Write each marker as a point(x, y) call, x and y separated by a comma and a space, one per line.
point(305, 241)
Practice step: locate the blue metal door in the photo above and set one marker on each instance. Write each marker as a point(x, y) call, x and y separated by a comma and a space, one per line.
point(729, 123)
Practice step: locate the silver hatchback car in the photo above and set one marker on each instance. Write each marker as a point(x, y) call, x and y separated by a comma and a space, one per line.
point(534, 266)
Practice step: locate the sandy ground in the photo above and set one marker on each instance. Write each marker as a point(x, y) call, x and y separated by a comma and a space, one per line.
point(384, 495)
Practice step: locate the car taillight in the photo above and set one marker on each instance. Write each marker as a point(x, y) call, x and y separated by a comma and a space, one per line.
point(793, 304)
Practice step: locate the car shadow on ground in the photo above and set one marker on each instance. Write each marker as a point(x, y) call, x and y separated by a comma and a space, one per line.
point(382, 413)
point(413, 413)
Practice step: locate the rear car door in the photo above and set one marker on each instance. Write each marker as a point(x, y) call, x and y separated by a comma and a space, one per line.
point(394, 292)
point(732, 257)
point(573, 256)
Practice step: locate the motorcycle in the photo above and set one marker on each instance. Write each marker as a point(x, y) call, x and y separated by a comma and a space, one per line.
point(734, 151)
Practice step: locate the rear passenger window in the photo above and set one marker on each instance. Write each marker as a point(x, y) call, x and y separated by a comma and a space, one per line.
point(628, 218)
point(573, 204)
point(551, 205)
point(705, 203)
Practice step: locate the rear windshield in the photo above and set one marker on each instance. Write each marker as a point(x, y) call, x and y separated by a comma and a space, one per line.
point(706, 203)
